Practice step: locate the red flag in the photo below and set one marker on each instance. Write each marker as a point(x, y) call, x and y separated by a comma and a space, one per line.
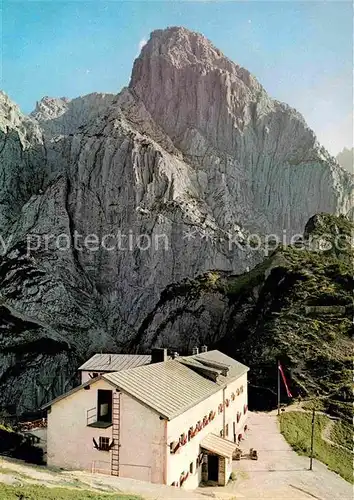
point(284, 380)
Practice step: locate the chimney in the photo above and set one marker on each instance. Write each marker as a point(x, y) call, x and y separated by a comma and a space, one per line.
point(195, 350)
point(203, 348)
point(158, 355)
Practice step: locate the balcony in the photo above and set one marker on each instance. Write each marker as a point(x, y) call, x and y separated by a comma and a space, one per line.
point(102, 422)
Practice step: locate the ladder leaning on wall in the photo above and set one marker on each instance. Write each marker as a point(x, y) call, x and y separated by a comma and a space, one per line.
point(115, 434)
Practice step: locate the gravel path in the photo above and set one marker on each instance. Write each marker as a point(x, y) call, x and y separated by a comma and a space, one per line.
point(326, 436)
point(279, 472)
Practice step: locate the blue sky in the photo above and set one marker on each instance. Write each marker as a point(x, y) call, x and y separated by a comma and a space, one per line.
point(301, 52)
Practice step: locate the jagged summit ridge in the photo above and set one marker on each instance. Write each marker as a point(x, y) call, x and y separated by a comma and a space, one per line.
point(50, 107)
point(63, 115)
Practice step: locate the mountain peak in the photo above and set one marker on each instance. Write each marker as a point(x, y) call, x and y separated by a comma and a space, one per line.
point(50, 107)
point(182, 47)
point(187, 83)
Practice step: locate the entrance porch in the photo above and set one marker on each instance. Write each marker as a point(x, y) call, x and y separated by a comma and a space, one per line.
point(217, 462)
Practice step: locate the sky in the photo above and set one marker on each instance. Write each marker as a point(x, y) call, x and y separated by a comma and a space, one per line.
point(301, 52)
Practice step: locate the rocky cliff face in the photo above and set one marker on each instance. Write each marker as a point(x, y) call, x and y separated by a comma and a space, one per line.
point(22, 162)
point(252, 149)
point(167, 180)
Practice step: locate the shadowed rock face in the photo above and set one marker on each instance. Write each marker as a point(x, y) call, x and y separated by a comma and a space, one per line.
point(194, 153)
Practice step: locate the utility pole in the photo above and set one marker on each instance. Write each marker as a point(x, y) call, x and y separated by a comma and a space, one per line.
point(278, 364)
point(312, 436)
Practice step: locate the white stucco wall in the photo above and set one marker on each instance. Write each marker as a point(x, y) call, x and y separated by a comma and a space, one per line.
point(69, 440)
point(235, 406)
point(142, 453)
point(180, 461)
point(143, 442)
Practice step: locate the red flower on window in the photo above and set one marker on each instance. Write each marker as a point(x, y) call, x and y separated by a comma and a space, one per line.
point(174, 446)
point(183, 439)
point(183, 478)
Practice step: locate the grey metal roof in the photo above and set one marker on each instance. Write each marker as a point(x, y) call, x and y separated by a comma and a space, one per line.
point(218, 445)
point(170, 387)
point(236, 369)
point(115, 362)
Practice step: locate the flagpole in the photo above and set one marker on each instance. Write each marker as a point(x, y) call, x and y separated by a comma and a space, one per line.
point(278, 370)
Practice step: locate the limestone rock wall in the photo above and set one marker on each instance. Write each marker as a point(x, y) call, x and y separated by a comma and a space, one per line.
point(258, 151)
point(192, 154)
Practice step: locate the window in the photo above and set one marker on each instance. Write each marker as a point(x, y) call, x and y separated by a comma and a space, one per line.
point(191, 467)
point(104, 443)
point(227, 430)
point(104, 406)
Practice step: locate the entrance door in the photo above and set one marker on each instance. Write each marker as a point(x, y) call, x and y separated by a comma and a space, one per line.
point(213, 467)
